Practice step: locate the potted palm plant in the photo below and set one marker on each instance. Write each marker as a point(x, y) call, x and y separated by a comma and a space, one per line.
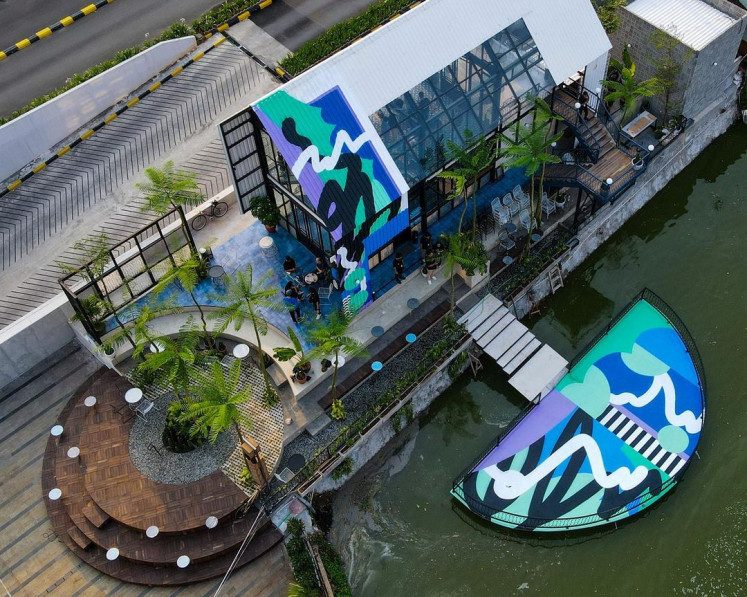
point(637, 160)
point(266, 211)
point(287, 353)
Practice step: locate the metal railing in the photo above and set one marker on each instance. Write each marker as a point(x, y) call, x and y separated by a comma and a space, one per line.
point(574, 120)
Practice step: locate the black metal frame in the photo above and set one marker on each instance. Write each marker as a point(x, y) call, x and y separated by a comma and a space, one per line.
point(77, 286)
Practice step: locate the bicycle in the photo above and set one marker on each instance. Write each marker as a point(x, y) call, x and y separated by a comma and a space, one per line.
point(217, 209)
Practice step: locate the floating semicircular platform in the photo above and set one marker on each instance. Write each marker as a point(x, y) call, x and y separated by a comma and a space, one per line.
point(613, 437)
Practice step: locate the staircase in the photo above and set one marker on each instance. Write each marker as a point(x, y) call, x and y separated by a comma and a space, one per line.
point(607, 151)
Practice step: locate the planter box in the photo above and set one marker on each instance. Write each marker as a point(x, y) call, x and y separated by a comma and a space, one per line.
point(477, 279)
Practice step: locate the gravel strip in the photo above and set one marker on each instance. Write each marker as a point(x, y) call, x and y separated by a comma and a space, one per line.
point(164, 466)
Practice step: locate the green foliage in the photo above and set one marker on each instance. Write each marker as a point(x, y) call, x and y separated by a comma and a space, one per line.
point(396, 421)
point(245, 478)
point(220, 14)
point(303, 565)
point(265, 210)
point(217, 400)
point(168, 188)
point(455, 367)
point(175, 359)
point(333, 566)
point(179, 435)
point(607, 13)
point(342, 470)
point(630, 91)
point(338, 412)
point(672, 56)
point(342, 34)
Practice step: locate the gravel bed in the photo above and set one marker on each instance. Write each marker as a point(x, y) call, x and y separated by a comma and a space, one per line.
point(360, 400)
point(169, 467)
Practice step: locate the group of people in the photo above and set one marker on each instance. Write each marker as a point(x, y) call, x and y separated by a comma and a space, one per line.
point(431, 256)
point(293, 293)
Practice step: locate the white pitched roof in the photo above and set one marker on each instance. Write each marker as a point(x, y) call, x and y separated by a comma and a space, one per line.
point(393, 59)
point(693, 22)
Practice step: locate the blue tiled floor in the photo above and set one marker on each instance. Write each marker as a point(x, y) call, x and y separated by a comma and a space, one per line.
point(383, 275)
point(235, 254)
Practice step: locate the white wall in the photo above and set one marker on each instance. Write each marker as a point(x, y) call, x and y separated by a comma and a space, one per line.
point(596, 71)
point(33, 134)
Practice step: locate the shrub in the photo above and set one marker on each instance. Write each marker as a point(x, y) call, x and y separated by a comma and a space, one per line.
point(338, 411)
point(303, 565)
point(245, 478)
point(342, 470)
point(333, 566)
point(455, 367)
point(340, 35)
point(178, 434)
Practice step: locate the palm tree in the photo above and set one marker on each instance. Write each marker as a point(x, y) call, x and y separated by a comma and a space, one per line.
point(167, 189)
point(463, 252)
point(95, 256)
point(217, 400)
point(175, 359)
point(187, 274)
point(629, 90)
point(470, 164)
point(246, 298)
point(531, 150)
point(330, 342)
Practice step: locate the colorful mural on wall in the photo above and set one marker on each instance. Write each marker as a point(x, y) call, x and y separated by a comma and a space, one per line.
point(343, 176)
point(611, 439)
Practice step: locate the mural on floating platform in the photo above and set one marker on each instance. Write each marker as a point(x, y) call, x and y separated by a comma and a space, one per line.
point(611, 439)
point(335, 159)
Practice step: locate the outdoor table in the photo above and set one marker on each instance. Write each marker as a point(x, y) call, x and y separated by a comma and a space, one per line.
point(156, 347)
point(536, 237)
point(296, 462)
point(211, 522)
point(241, 351)
point(639, 124)
point(73, 452)
point(152, 532)
point(133, 395)
point(216, 272)
point(90, 401)
point(55, 494)
point(311, 278)
point(112, 554)
point(377, 331)
point(376, 366)
point(339, 360)
point(411, 338)
point(183, 561)
point(413, 303)
point(56, 431)
point(267, 246)
point(508, 260)
point(510, 228)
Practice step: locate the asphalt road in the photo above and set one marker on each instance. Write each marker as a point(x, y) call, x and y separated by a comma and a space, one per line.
point(38, 69)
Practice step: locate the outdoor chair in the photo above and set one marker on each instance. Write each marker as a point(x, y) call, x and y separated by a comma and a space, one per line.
point(521, 199)
point(501, 215)
point(548, 207)
point(485, 224)
point(568, 158)
point(144, 407)
point(508, 202)
point(505, 241)
point(525, 219)
point(324, 293)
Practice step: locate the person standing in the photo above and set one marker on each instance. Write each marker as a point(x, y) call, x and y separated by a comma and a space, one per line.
point(313, 299)
point(292, 302)
point(425, 244)
point(399, 268)
point(431, 265)
point(584, 101)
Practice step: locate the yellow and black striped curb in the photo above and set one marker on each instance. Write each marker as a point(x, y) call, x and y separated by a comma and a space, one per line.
point(232, 21)
point(47, 31)
point(106, 120)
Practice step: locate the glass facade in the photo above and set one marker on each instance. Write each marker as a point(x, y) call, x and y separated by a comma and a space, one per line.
point(475, 93)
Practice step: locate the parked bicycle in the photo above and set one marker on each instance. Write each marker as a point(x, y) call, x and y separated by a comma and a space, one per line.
point(217, 209)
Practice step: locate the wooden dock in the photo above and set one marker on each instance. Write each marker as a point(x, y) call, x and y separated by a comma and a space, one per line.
point(533, 367)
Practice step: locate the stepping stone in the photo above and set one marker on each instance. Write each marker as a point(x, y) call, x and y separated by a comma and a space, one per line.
point(318, 424)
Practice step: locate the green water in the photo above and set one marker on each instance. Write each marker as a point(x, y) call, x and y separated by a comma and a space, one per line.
point(402, 535)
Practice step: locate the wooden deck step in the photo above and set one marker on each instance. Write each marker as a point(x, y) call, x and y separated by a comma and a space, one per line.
point(538, 372)
point(520, 344)
point(496, 330)
point(501, 320)
point(78, 536)
point(95, 515)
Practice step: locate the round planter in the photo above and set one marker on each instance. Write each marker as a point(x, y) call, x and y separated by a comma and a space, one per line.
point(270, 229)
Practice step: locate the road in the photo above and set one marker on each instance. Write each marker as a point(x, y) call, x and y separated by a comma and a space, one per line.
point(38, 69)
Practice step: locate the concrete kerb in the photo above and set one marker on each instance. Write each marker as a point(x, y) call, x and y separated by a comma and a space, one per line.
point(203, 49)
point(47, 31)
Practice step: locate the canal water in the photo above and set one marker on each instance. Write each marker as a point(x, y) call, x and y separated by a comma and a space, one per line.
point(402, 535)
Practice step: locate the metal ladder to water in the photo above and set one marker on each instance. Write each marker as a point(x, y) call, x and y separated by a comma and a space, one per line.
point(555, 276)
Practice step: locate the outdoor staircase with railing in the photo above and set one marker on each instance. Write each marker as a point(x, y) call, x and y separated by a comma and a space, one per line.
point(604, 153)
